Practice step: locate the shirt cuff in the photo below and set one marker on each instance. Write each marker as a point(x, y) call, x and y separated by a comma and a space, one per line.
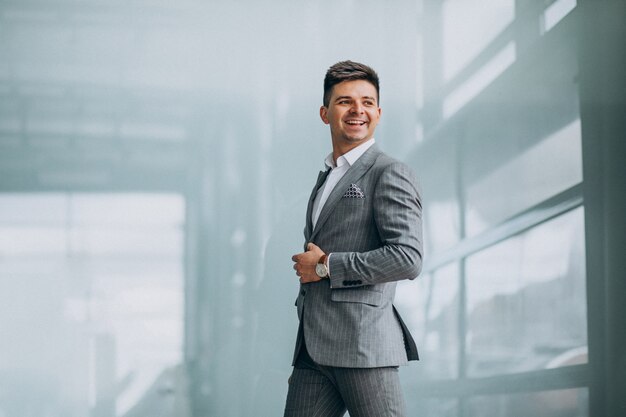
point(328, 265)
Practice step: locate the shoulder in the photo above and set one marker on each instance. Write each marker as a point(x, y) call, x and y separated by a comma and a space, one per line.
point(394, 177)
point(387, 166)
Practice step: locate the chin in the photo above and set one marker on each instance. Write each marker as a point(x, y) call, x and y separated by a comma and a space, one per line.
point(354, 139)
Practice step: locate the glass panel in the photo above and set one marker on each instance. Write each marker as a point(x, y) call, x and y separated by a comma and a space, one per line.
point(556, 12)
point(442, 219)
point(430, 307)
point(526, 300)
point(572, 402)
point(25, 209)
point(479, 80)
point(32, 240)
point(91, 300)
point(465, 35)
point(429, 407)
point(532, 176)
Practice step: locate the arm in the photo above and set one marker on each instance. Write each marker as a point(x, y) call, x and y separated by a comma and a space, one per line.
point(398, 218)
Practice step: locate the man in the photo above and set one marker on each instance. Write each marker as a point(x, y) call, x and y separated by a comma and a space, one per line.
point(362, 234)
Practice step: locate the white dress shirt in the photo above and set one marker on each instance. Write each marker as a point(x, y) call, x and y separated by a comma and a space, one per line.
point(344, 162)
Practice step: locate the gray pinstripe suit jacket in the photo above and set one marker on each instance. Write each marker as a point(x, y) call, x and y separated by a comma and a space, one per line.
point(349, 320)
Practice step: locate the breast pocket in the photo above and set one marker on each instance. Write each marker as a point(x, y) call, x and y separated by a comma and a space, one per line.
point(351, 210)
point(353, 201)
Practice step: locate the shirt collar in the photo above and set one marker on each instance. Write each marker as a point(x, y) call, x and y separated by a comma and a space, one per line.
point(349, 157)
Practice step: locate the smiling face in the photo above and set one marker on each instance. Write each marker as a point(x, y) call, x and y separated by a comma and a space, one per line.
point(352, 114)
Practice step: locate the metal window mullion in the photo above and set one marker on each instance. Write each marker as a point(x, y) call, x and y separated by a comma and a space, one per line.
point(575, 376)
point(540, 213)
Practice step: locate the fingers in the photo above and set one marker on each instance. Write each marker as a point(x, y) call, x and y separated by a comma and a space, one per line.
point(298, 268)
point(304, 263)
point(306, 280)
point(309, 247)
point(305, 272)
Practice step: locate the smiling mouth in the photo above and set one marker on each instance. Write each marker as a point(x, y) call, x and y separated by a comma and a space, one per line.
point(355, 122)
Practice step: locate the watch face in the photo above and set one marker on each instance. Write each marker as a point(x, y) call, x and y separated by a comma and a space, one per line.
point(320, 270)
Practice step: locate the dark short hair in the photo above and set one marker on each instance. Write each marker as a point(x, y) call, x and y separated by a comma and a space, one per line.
point(348, 71)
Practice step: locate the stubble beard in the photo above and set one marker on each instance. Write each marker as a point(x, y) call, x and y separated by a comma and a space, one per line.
point(354, 139)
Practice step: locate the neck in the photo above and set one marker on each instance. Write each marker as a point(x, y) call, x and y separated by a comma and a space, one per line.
point(342, 148)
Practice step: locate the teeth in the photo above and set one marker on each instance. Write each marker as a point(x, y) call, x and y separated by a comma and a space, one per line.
point(354, 122)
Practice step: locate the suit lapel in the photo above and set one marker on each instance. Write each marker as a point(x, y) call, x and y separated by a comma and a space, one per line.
point(321, 177)
point(355, 172)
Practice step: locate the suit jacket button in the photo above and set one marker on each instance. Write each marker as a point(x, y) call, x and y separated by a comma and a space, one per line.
point(303, 293)
point(345, 282)
point(358, 281)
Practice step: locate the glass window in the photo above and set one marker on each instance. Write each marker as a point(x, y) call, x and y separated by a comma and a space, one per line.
point(536, 174)
point(468, 27)
point(97, 281)
point(556, 12)
point(442, 218)
point(430, 307)
point(526, 300)
point(432, 407)
point(479, 80)
point(572, 402)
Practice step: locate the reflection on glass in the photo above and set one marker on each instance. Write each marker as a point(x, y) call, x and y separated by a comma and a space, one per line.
point(429, 407)
point(572, 402)
point(526, 302)
point(442, 227)
point(441, 328)
point(91, 300)
point(479, 80)
point(468, 27)
point(430, 306)
point(556, 12)
point(538, 173)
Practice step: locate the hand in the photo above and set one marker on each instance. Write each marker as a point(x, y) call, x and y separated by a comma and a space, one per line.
point(305, 263)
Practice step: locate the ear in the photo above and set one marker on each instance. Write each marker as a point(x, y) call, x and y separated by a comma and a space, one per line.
point(324, 114)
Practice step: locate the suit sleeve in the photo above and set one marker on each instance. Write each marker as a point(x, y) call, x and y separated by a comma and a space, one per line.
point(397, 212)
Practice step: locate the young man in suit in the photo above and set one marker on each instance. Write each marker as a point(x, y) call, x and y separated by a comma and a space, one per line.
point(363, 233)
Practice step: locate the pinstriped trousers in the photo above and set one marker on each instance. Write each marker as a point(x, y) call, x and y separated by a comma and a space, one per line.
point(325, 391)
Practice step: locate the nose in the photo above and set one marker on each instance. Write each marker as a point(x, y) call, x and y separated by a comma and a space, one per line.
point(357, 108)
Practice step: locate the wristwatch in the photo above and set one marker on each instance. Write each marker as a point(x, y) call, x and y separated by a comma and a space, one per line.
point(321, 269)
